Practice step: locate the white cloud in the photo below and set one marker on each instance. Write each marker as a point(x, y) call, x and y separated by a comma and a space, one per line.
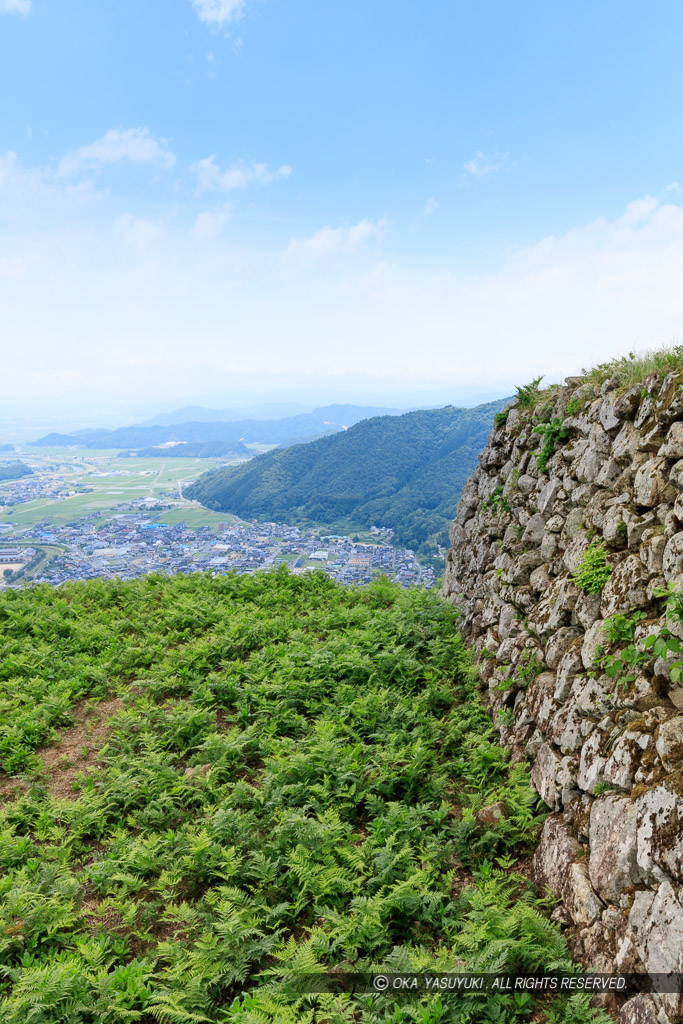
point(209, 224)
point(567, 301)
point(136, 230)
point(15, 7)
point(118, 145)
point(337, 241)
point(210, 176)
point(483, 166)
point(218, 12)
point(32, 196)
point(430, 207)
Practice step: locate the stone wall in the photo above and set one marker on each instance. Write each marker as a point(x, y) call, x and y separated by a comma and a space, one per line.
point(607, 754)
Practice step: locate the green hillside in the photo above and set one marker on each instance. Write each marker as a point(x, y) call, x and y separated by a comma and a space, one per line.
point(404, 472)
point(209, 787)
point(14, 470)
point(191, 450)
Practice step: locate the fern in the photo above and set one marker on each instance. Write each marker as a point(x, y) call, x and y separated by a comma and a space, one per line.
point(275, 799)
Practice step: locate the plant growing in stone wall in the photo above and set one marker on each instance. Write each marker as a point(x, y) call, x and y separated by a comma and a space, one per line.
point(594, 571)
point(623, 665)
point(527, 394)
point(553, 433)
point(496, 501)
point(528, 667)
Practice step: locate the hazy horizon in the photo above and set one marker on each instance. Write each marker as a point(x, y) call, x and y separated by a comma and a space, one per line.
point(257, 406)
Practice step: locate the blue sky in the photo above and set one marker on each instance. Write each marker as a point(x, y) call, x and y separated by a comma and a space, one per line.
point(295, 198)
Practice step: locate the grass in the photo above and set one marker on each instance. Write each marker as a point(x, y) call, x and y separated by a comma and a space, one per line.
point(635, 367)
point(290, 786)
point(625, 372)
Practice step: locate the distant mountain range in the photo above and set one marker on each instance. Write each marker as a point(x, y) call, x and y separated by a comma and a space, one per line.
point(200, 414)
point(402, 471)
point(286, 430)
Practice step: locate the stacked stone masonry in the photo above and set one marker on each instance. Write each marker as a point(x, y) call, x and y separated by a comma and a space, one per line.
point(607, 758)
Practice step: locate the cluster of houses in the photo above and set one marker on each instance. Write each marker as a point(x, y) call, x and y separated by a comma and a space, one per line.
point(134, 541)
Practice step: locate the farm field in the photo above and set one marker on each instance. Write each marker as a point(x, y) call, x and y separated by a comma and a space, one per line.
point(214, 786)
point(111, 482)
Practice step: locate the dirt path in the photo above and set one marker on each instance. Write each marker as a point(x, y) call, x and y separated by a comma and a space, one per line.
point(75, 752)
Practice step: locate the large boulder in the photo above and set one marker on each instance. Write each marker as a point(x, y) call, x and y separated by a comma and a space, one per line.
point(558, 847)
point(659, 816)
point(561, 640)
point(555, 609)
point(672, 561)
point(651, 485)
point(578, 896)
point(594, 640)
point(626, 588)
point(673, 446)
point(670, 743)
point(656, 919)
point(544, 776)
point(612, 865)
point(642, 1009)
point(592, 762)
point(626, 444)
point(624, 759)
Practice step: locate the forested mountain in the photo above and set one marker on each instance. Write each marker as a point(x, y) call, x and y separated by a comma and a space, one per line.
point(275, 431)
point(404, 472)
point(14, 470)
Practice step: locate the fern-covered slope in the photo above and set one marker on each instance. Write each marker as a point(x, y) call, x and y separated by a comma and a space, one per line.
point(290, 785)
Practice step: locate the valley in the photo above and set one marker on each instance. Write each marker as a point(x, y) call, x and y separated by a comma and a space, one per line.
point(84, 514)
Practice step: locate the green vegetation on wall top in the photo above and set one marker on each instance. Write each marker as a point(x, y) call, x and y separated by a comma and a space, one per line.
point(623, 372)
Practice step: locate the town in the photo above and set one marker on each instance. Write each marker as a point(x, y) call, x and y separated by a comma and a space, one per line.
point(60, 524)
point(131, 543)
point(81, 515)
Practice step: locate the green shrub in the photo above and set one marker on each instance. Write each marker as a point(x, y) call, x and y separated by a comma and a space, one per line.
point(528, 667)
point(593, 573)
point(553, 434)
point(496, 500)
point(625, 663)
point(622, 628)
point(501, 418)
point(527, 394)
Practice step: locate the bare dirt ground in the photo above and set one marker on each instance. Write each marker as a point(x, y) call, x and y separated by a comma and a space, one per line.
point(75, 752)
